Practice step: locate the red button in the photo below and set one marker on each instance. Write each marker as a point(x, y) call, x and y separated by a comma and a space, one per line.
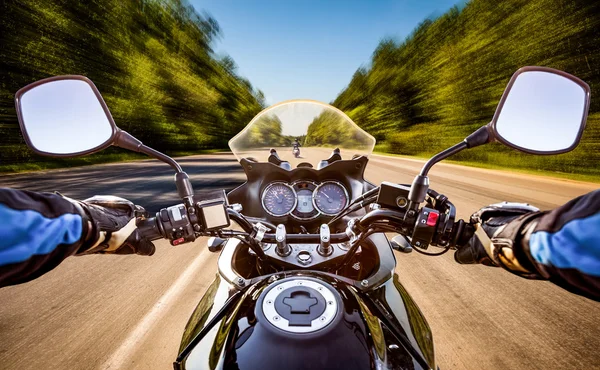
point(178, 241)
point(432, 218)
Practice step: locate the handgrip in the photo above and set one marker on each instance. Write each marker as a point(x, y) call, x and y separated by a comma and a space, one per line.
point(149, 229)
point(463, 232)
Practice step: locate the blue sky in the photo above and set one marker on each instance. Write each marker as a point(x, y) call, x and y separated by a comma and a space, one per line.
point(310, 49)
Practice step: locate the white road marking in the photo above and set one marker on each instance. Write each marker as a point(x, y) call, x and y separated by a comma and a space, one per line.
point(137, 335)
point(419, 160)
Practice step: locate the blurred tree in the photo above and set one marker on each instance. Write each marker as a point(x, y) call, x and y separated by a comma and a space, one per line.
point(444, 80)
point(151, 59)
point(266, 133)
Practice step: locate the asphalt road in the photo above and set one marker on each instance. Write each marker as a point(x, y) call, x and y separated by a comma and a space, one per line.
point(130, 311)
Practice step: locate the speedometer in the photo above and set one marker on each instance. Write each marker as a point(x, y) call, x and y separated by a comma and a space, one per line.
point(279, 199)
point(330, 198)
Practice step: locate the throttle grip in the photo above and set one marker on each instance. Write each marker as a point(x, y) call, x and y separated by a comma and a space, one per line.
point(463, 232)
point(149, 228)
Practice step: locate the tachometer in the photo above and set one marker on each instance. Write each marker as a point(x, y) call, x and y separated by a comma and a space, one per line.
point(330, 198)
point(279, 199)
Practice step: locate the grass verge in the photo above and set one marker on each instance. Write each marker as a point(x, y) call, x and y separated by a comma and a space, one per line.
point(593, 178)
point(99, 158)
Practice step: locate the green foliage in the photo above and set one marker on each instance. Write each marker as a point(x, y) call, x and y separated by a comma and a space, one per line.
point(429, 91)
point(266, 132)
point(331, 129)
point(151, 59)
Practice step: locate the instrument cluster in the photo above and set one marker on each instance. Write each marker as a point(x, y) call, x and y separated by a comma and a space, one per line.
point(304, 200)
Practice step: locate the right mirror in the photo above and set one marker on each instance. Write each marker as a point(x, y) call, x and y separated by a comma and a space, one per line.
point(542, 111)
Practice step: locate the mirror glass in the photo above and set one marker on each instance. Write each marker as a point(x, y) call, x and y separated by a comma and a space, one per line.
point(542, 112)
point(64, 117)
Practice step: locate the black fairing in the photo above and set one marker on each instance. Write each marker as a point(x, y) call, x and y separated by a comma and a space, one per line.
point(259, 174)
point(356, 339)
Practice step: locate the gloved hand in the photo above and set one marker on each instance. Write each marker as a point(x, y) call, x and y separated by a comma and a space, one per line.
point(113, 227)
point(501, 227)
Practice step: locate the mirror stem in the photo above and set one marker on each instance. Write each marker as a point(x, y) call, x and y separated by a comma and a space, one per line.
point(420, 184)
point(160, 156)
point(125, 140)
point(442, 155)
point(184, 186)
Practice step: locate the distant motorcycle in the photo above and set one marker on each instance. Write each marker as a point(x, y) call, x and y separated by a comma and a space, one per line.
point(308, 278)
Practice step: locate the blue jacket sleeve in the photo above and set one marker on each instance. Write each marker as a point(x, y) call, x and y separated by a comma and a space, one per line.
point(564, 245)
point(37, 232)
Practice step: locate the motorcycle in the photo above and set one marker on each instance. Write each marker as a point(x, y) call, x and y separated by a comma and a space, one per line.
point(296, 152)
point(306, 277)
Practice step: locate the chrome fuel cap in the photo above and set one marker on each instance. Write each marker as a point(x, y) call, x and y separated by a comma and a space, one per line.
point(300, 305)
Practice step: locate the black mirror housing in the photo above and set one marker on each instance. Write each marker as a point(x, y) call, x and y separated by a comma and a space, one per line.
point(64, 116)
point(542, 111)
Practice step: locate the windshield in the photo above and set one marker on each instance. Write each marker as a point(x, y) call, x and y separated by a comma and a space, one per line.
point(301, 131)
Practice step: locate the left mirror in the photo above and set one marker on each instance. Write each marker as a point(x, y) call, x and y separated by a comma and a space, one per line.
point(64, 116)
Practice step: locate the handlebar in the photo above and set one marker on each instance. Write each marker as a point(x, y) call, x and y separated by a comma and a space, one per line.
point(291, 238)
point(444, 232)
point(307, 238)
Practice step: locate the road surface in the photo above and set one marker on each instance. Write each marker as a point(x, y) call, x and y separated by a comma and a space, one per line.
point(113, 312)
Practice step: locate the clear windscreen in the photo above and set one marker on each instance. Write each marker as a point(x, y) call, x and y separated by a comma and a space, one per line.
point(301, 131)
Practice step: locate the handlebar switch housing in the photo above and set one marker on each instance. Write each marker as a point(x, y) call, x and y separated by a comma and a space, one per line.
point(176, 224)
point(425, 227)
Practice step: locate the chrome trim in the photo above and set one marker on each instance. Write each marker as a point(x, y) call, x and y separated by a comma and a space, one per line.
point(237, 207)
point(260, 231)
point(225, 260)
point(330, 182)
point(283, 249)
point(262, 198)
point(325, 249)
point(268, 306)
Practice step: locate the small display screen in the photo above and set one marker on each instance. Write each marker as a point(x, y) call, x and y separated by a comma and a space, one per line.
point(305, 204)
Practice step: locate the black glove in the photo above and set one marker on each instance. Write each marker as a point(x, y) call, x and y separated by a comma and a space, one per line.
point(503, 226)
point(113, 227)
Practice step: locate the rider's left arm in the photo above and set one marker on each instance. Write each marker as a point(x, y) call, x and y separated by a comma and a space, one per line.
point(37, 232)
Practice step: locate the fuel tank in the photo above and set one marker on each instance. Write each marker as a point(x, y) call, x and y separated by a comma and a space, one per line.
point(308, 321)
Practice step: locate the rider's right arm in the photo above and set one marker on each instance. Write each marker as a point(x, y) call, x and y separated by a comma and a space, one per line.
point(564, 245)
point(37, 232)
